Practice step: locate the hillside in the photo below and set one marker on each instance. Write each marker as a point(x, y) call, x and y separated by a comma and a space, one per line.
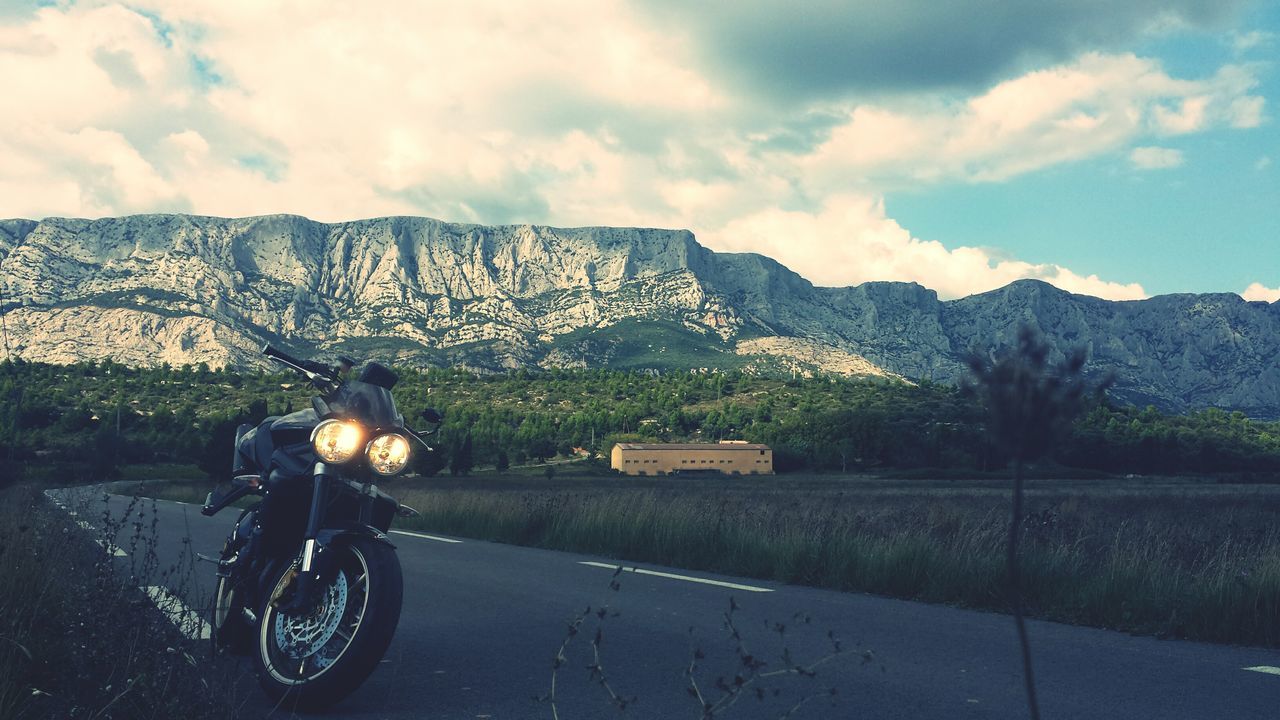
point(186, 289)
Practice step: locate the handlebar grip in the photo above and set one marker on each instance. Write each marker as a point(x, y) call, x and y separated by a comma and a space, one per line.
point(282, 355)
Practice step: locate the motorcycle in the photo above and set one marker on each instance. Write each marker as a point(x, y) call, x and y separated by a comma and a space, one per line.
point(308, 582)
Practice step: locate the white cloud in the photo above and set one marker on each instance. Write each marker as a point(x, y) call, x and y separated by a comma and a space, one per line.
point(1244, 42)
point(1258, 291)
point(1262, 163)
point(1246, 112)
point(1188, 117)
point(1155, 158)
point(851, 240)
point(560, 112)
point(1099, 104)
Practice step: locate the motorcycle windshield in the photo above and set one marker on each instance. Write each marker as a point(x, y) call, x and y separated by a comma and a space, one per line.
point(370, 405)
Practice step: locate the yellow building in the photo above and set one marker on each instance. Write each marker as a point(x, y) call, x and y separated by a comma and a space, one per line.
point(730, 458)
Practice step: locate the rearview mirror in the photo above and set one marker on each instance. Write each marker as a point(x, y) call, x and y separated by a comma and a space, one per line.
point(432, 418)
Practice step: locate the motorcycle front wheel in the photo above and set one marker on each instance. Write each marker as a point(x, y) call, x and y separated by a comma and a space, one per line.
point(311, 661)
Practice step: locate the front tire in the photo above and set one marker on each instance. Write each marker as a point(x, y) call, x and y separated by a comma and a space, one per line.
point(311, 662)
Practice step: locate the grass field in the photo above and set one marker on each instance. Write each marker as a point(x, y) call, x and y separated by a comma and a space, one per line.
point(1172, 557)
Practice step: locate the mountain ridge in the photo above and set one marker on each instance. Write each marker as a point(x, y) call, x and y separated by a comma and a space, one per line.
point(186, 288)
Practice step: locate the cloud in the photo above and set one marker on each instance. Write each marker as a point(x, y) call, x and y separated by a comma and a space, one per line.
point(1095, 105)
point(1155, 158)
point(1262, 163)
point(1258, 291)
point(572, 113)
point(851, 240)
point(1246, 41)
point(822, 48)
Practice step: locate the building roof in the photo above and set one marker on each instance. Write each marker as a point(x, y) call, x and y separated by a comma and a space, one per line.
point(693, 446)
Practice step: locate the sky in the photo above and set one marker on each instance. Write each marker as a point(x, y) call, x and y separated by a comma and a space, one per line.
point(1121, 150)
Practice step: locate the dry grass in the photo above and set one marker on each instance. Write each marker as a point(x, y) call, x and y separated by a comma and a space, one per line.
point(77, 637)
point(1180, 558)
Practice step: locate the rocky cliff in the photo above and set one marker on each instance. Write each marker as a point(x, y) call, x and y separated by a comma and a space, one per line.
point(188, 289)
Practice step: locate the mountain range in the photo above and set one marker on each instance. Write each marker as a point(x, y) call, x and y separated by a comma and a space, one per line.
point(148, 289)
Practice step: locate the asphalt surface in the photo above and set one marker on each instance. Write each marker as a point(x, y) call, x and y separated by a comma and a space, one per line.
point(482, 622)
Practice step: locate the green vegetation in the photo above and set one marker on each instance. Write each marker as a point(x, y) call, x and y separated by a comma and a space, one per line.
point(651, 344)
point(166, 414)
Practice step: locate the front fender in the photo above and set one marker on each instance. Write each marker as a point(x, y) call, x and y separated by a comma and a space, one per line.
point(329, 540)
point(328, 536)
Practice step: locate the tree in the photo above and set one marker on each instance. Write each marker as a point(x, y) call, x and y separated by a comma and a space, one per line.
point(542, 448)
point(461, 462)
point(102, 464)
point(429, 464)
point(215, 457)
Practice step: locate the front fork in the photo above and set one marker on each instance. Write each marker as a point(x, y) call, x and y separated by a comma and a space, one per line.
point(304, 586)
point(312, 548)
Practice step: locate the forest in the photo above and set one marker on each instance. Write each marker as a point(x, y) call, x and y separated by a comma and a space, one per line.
point(105, 415)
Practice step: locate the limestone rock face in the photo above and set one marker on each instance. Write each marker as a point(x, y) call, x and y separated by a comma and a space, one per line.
point(1175, 351)
point(188, 289)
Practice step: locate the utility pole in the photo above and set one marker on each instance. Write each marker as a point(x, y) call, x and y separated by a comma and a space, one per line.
point(115, 445)
point(4, 326)
point(15, 393)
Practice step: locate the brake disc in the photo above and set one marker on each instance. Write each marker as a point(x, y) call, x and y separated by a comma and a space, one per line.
point(301, 636)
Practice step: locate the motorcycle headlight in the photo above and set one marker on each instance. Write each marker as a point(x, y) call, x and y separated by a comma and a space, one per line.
point(336, 441)
point(388, 454)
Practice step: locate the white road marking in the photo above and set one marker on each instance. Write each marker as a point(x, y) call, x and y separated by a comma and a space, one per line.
point(673, 576)
point(108, 547)
point(187, 621)
point(437, 538)
point(1264, 669)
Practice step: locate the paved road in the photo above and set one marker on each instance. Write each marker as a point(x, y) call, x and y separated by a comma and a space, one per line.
point(482, 621)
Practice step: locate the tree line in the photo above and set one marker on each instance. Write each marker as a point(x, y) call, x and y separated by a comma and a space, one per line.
point(106, 414)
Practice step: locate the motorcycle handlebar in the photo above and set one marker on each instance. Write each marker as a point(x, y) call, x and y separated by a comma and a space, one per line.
point(321, 380)
point(280, 355)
